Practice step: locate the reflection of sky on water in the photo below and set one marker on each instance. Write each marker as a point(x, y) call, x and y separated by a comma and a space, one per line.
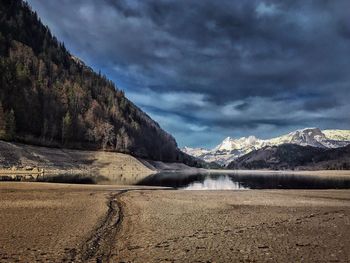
point(219, 183)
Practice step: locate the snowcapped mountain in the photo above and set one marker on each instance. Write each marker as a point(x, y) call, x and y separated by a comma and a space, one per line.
point(309, 136)
point(245, 142)
point(230, 149)
point(196, 152)
point(340, 135)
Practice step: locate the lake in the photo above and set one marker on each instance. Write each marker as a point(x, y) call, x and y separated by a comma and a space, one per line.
point(210, 180)
point(236, 181)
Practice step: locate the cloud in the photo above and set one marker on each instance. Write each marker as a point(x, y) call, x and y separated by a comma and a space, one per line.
point(263, 9)
point(207, 70)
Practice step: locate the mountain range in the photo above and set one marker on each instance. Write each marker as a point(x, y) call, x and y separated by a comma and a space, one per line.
point(230, 148)
point(294, 157)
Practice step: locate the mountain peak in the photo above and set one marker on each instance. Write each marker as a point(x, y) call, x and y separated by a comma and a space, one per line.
point(309, 131)
point(230, 149)
point(227, 139)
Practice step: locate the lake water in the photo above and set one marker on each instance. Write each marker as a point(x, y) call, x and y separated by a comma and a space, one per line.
point(226, 181)
point(210, 180)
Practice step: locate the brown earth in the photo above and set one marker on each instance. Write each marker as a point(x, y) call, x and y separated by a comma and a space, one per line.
point(234, 226)
point(56, 223)
point(43, 222)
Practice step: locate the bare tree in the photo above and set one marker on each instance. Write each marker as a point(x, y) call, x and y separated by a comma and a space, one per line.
point(107, 135)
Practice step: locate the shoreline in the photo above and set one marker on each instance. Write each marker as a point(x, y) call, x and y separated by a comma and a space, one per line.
point(321, 173)
point(108, 167)
point(29, 162)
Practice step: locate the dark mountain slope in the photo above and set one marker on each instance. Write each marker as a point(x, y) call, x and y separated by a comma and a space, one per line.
point(48, 97)
point(291, 156)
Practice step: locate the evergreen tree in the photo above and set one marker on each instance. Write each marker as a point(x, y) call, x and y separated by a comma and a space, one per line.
point(2, 123)
point(10, 125)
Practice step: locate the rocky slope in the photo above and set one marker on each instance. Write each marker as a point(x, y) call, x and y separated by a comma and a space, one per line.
point(230, 148)
point(99, 166)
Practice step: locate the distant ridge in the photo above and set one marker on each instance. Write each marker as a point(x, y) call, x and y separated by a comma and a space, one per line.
point(294, 157)
point(230, 149)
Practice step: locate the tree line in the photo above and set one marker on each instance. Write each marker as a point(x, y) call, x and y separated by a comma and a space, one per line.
point(7, 124)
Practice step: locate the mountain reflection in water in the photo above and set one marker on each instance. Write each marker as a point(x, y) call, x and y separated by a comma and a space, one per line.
point(236, 181)
point(220, 183)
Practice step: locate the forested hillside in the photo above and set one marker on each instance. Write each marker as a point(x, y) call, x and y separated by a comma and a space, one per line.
point(51, 98)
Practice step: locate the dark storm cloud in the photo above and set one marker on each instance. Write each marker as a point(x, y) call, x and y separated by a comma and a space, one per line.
point(209, 69)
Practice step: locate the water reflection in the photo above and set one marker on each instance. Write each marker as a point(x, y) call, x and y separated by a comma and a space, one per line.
point(234, 181)
point(220, 183)
point(202, 180)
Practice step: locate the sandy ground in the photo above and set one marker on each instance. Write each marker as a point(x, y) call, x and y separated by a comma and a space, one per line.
point(234, 226)
point(81, 223)
point(49, 222)
point(42, 222)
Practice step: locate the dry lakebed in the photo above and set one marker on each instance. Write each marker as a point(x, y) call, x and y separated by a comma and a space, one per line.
point(42, 222)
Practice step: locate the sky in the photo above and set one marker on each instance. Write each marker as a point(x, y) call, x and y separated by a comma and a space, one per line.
point(205, 70)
